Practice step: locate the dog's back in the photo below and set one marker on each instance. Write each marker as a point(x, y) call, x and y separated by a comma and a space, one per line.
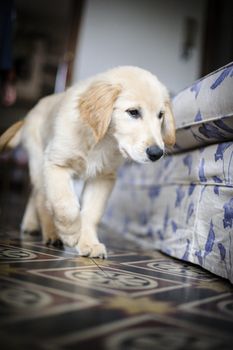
point(35, 127)
point(39, 121)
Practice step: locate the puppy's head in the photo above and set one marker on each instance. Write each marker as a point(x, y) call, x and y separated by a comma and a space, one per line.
point(136, 106)
point(142, 116)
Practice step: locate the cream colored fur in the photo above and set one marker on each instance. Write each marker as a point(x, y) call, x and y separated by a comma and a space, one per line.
point(86, 132)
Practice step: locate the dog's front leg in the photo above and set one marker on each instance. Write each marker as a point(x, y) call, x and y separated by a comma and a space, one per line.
point(95, 195)
point(62, 202)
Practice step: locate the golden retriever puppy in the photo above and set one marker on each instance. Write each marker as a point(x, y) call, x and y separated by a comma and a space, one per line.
point(86, 133)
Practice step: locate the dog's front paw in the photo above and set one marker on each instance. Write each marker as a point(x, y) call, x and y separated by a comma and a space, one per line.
point(96, 250)
point(55, 242)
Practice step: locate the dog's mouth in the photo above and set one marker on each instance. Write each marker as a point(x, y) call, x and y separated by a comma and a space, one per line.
point(127, 155)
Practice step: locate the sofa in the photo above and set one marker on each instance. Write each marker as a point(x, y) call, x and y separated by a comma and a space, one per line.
point(182, 205)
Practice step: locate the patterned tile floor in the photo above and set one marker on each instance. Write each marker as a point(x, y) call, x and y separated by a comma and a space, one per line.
point(51, 299)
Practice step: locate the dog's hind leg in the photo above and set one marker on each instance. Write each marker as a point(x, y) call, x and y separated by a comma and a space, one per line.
point(30, 222)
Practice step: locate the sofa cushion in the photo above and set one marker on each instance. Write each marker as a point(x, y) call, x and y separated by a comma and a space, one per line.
point(204, 111)
point(181, 205)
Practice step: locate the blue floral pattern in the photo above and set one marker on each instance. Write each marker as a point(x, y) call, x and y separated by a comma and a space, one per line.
point(228, 214)
point(228, 71)
point(198, 125)
point(196, 88)
point(183, 204)
point(210, 240)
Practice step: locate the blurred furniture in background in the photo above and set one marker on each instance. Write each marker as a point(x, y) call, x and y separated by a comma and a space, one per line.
point(44, 45)
point(44, 40)
point(183, 204)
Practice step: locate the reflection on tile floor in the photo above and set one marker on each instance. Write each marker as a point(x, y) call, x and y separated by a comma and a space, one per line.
point(52, 299)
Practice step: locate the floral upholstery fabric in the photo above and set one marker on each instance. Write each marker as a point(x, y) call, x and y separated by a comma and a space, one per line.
point(204, 111)
point(183, 204)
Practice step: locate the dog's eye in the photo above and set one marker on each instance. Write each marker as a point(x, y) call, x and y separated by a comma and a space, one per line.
point(161, 115)
point(134, 113)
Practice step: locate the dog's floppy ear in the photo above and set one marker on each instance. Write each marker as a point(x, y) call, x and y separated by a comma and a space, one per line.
point(168, 126)
point(96, 106)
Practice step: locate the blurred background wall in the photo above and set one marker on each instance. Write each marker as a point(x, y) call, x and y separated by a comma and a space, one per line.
point(163, 36)
point(57, 43)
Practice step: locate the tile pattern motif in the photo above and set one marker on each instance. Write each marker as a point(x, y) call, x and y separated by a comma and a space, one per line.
point(53, 299)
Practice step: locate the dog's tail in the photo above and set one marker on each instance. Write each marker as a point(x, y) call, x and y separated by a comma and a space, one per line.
point(12, 136)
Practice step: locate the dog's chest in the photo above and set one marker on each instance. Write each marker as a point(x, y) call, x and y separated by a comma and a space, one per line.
point(96, 162)
point(101, 160)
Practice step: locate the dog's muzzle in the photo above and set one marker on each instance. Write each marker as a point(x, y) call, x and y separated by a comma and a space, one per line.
point(154, 153)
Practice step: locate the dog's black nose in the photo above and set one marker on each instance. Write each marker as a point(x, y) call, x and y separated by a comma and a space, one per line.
point(154, 153)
